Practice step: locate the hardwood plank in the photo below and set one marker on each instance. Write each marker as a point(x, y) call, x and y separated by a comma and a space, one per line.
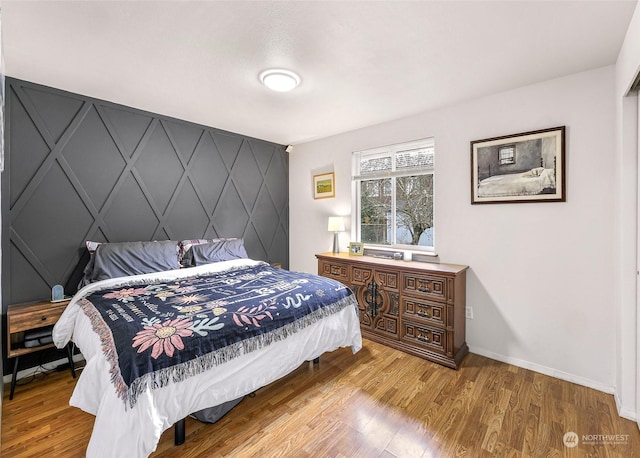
point(377, 403)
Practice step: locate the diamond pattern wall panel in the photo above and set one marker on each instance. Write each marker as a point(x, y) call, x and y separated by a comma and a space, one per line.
point(55, 110)
point(81, 169)
point(94, 158)
point(128, 127)
point(159, 167)
point(246, 175)
point(209, 171)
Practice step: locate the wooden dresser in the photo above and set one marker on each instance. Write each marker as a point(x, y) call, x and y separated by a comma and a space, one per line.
point(416, 307)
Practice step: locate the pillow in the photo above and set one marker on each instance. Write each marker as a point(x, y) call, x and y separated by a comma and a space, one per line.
point(76, 279)
point(221, 250)
point(112, 260)
point(185, 245)
point(535, 172)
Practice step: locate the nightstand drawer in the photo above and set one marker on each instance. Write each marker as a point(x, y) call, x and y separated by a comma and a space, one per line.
point(31, 316)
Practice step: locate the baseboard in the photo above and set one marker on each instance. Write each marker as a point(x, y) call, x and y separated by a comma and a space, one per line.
point(53, 364)
point(545, 370)
point(624, 412)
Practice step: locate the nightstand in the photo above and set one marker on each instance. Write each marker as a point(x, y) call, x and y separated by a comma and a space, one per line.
point(25, 319)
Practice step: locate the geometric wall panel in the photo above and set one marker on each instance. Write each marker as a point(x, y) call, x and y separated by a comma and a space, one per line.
point(78, 169)
point(159, 167)
point(187, 216)
point(246, 166)
point(209, 171)
point(94, 158)
point(129, 216)
point(230, 215)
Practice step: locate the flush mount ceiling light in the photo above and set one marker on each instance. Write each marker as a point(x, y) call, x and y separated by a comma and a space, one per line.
point(280, 80)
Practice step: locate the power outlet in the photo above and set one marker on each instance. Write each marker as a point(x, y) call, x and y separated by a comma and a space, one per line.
point(469, 312)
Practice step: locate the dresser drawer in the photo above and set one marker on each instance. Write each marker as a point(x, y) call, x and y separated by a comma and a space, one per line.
point(427, 286)
point(361, 275)
point(429, 337)
point(335, 270)
point(421, 310)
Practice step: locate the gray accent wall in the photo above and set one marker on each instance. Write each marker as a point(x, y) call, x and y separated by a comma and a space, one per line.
point(78, 169)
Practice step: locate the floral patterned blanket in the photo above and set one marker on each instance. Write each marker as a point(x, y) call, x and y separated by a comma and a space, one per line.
point(157, 333)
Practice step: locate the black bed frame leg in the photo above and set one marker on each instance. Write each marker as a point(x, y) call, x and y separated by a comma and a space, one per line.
point(179, 432)
point(13, 379)
point(317, 360)
point(70, 347)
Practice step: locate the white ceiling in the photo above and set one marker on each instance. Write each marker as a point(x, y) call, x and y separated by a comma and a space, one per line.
point(361, 63)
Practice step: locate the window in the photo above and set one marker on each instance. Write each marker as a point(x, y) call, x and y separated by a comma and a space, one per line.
point(507, 154)
point(393, 195)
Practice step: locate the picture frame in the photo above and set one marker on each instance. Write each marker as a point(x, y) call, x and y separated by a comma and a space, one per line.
point(518, 168)
point(356, 249)
point(324, 185)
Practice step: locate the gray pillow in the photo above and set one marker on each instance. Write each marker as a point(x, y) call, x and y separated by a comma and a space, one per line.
point(112, 260)
point(207, 253)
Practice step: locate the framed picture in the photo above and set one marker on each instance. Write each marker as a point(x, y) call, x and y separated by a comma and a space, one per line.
point(324, 185)
point(356, 248)
point(526, 167)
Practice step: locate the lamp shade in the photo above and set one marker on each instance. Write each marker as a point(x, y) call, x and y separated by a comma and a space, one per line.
point(336, 224)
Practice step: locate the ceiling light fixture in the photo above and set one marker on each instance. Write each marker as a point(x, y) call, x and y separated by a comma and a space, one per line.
point(280, 80)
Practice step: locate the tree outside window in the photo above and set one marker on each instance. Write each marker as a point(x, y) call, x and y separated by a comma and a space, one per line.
point(394, 195)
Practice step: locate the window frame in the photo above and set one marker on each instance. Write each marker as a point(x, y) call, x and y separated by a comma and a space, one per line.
point(356, 179)
point(507, 159)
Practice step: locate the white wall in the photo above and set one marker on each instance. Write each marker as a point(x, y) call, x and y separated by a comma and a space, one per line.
point(541, 274)
point(626, 179)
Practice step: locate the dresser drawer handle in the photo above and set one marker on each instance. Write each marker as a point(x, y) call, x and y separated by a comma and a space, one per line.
point(43, 318)
point(423, 338)
point(335, 270)
point(424, 312)
point(423, 287)
point(423, 335)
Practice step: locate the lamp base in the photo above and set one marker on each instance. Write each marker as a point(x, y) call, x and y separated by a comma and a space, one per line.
point(336, 243)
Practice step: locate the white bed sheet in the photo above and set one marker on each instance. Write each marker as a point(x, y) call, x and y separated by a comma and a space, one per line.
point(134, 432)
point(528, 183)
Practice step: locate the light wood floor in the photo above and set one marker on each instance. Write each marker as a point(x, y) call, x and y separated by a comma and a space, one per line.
point(377, 403)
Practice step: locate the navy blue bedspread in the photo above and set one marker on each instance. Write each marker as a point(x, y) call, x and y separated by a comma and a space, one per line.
point(156, 333)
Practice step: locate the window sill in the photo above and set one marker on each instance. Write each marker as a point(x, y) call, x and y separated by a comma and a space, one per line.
point(391, 253)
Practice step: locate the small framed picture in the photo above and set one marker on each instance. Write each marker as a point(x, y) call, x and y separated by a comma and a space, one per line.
point(356, 248)
point(324, 185)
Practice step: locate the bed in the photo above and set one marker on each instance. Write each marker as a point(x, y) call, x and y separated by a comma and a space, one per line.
point(161, 344)
point(532, 182)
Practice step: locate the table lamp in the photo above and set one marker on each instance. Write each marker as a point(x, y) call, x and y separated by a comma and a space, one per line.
point(336, 224)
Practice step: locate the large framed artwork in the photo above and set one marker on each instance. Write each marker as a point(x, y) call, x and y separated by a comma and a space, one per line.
point(525, 167)
point(324, 186)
